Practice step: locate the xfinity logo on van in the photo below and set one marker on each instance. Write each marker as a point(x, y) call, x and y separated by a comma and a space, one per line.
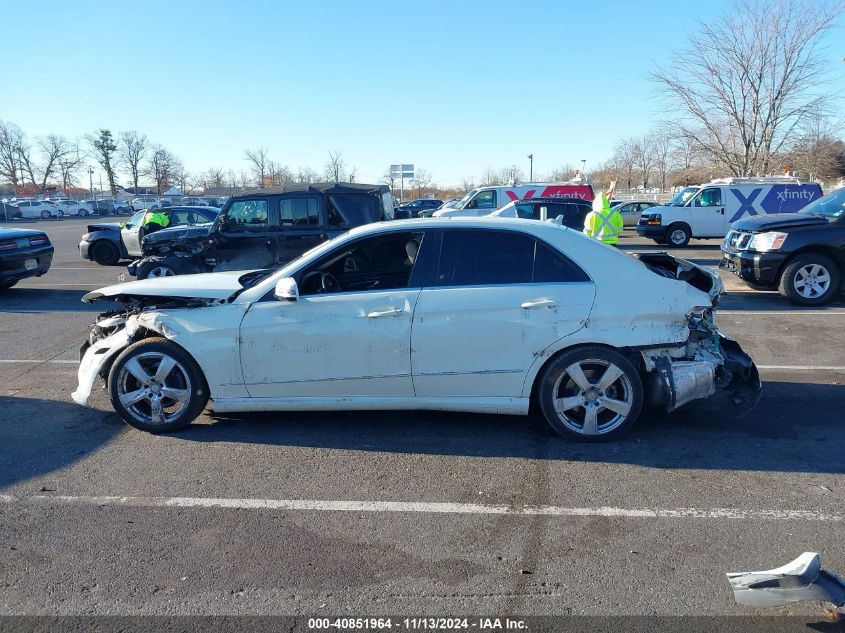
point(779, 199)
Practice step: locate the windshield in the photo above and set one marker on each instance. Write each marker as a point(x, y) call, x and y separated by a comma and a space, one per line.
point(460, 204)
point(682, 197)
point(830, 206)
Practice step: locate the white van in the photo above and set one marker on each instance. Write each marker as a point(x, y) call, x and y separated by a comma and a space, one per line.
point(485, 200)
point(708, 210)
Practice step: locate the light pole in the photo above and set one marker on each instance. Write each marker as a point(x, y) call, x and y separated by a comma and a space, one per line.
point(91, 181)
point(531, 168)
point(583, 165)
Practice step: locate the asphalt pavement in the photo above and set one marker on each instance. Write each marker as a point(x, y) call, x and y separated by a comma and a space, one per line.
point(408, 513)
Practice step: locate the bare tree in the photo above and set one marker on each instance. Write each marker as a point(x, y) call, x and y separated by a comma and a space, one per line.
point(643, 148)
point(490, 177)
point(511, 173)
point(259, 158)
point(133, 152)
point(422, 180)
point(467, 184)
point(749, 78)
point(306, 175)
point(661, 149)
point(69, 164)
point(562, 173)
point(817, 150)
point(625, 160)
point(334, 167)
point(389, 178)
point(103, 149)
point(26, 162)
point(215, 177)
point(11, 140)
point(52, 149)
point(163, 166)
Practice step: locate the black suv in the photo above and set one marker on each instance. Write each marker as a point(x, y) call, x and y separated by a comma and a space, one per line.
point(263, 229)
point(801, 254)
point(573, 210)
point(413, 208)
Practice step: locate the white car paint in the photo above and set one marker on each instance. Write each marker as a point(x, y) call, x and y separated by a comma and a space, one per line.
point(34, 209)
point(462, 349)
point(73, 207)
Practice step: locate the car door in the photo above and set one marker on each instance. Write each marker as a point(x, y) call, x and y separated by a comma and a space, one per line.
point(347, 338)
point(483, 203)
point(708, 213)
point(498, 299)
point(245, 240)
point(130, 234)
point(300, 227)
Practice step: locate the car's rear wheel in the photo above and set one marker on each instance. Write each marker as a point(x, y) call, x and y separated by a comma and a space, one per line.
point(811, 279)
point(591, 393)
point(61, 213)
point(45, 215)
point(105, 253)
point(156, 386)
point(83, 213)
point(678, 235)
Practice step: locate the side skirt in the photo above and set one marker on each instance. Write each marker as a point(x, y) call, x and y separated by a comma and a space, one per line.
point(500, 406)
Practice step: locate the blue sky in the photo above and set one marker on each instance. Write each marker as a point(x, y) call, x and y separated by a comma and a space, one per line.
point(454, 87)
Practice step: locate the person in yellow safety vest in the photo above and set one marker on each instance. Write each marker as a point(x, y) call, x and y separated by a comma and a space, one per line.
point(154, 220)
point(603, 222)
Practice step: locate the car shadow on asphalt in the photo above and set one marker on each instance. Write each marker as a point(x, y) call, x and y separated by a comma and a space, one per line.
point(29, 299)
point(762, 301)
point(779, 435)
point(39, 436)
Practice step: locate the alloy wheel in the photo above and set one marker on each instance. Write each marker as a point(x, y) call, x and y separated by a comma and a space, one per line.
point(593, 397)
point(160, 271)
point(811, 281)
point(153, 388)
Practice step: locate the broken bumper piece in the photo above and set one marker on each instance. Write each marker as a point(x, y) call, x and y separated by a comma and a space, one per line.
point(728, 376)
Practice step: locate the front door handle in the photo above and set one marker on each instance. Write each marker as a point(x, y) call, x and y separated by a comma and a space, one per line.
point(539, 303)
point(385, 313)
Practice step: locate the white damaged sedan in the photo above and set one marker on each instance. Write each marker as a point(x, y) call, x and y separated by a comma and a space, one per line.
point(460, 315)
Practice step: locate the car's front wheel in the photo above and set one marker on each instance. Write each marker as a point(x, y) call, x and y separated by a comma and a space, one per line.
point(678, 235)
point(591, 393)
point(45, 215)
point(155, 267)
point(156, 386)
point(105, 253)
point(810, 280)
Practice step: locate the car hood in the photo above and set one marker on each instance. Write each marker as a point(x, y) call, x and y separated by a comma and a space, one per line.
point(777, 221)
point(203, 286)
point(179, 233)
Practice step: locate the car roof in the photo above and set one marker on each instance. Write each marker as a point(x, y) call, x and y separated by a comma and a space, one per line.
point(517, 224)
point(314, 187)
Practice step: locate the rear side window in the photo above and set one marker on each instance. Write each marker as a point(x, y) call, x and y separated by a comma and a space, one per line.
point(302, 212)
point(550, 266)
point(353, 209)
point(475, 258)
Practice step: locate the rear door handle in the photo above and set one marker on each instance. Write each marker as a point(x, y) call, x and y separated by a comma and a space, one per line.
point(539, 303)
point(385, 313)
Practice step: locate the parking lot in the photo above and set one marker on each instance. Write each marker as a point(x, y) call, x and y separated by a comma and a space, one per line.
point(423, 513)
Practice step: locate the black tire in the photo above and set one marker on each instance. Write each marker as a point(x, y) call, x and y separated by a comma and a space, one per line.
point(83, 213)
point(185, 381)
point(557, 384)
point(158, 266)
point(7, 285)
point(661, 241)
point(60, 213)
point(45, 215)
point(678, 235)
point(821, 277)
point(105, 253)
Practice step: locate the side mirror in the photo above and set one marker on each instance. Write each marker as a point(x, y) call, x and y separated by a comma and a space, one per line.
point(286, 290)
point(221, 221)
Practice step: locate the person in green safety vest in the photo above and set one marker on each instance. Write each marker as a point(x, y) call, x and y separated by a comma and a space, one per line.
point(154, 220)
point(604, 222)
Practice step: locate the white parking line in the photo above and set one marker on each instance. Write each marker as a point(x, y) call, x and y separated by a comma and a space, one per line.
point(296, 505)
point(803, 367)
point(40, 362)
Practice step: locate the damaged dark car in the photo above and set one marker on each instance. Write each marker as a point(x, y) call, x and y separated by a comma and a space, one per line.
point(265, 228)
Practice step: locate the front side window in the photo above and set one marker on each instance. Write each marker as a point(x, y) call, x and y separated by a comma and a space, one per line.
point(525, 211)
point(246, 215)
point(481, 258)
point(136, 219)
point(709, 198)
point(302, 212)
point(484, 200)
point(382, 262)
